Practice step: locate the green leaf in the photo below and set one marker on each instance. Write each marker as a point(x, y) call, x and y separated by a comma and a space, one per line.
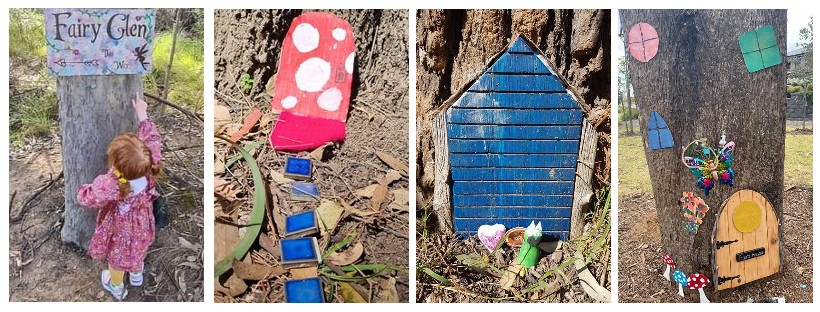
point(256, 218)
point(437, 277)
point(338, 246)
point(250, 147)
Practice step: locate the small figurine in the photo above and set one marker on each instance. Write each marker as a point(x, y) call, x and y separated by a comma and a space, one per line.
point(528, 255)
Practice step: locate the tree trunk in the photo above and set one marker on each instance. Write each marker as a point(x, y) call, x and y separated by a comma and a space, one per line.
point(93, 110)
point(454, 46)
point(699, 84)
point(628, 113)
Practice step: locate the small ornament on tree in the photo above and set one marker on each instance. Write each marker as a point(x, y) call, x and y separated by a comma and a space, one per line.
point(670, 264)
point(694, 209)
point(699, 281)
point(709, 166)
point(679, 278)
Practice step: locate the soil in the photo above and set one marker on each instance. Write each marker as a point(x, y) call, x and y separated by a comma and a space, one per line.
point(248, 42)
point(42, 268)
point(640, 268)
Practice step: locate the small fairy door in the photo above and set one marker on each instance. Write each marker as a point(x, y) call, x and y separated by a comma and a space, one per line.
point(747, 241)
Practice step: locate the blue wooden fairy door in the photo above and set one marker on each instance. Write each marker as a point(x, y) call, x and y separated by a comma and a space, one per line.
point(658, 134)
point(513, 141)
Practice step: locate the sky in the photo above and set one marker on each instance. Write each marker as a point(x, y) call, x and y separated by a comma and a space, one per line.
point(796, 20)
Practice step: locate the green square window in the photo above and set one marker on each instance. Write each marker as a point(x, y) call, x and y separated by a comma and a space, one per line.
point(754, 61)
point(766, 37)
point(771, 56)
point(760, 49)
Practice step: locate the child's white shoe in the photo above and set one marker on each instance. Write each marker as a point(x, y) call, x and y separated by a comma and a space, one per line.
point(119, 292)
point(135, 278)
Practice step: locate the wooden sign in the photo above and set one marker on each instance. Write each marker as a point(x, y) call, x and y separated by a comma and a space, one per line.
point(514, 143)
point(99, 41)
point(746, 240)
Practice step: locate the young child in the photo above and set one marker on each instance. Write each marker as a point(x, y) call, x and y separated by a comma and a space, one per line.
point(124, 197)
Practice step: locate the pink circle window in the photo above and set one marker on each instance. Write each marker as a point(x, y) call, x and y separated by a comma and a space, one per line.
point(643, 42)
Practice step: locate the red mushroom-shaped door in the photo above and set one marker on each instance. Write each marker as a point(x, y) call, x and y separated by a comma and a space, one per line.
point(670, 264)
point(316, 69)
point(313, 83)
point(699, 281)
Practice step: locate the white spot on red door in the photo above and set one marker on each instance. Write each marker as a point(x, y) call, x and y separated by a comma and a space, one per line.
point(289, 102)
point(330, 99)
point(312, 74)
point(349, 62)
point(339, 34)
point(305, 37)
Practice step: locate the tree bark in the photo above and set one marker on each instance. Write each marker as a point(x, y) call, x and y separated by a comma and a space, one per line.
point(699, 84)
point(93, 110)
point(454, 46)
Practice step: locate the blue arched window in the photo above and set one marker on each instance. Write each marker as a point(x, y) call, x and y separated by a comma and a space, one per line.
point(658, 133)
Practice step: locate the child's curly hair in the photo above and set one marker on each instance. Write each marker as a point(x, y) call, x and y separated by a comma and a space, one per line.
point(131, 159)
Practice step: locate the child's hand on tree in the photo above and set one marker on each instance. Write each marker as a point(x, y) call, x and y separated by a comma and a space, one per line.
point(140, 107)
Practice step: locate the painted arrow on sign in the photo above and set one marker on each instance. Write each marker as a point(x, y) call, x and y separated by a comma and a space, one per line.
point(64, 63)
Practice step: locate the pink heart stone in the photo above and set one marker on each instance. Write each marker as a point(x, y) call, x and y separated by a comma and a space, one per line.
point(490, 235)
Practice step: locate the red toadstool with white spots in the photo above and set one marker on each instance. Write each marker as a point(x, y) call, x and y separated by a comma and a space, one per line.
point(699, 281)
point(670, 264)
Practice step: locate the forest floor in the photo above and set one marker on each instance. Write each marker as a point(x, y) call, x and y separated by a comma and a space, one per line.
point(452, 269)
point(43, 268)
point(639, 272)
point(371, 229)
point(639, 234)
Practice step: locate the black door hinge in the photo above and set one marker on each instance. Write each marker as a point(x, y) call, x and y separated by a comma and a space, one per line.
point(722, 279)
point(720, 244)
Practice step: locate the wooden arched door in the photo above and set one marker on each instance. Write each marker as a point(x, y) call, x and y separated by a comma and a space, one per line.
point(746, 240)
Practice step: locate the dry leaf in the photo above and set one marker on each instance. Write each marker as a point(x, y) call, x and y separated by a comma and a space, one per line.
point(222, 117)
point(507, 280)
point(232, 127)
point(270, 86)
point(350, 295)
point(307, 272)
point(329, 213)
point(255, 272)
point(367, 192)
point(235, 285)
point(380, 198)
point(356, 211)
point(250, 120)
point(401, 200)
point(267, 243)
point(219, 166)
point(319, 151)
point(185, 243)
point(218, 287)
point(389, 177)
point(225, 189)
point(226, 236)
point(347, 256)
point(280, 178)
point(393, 162)
point(265, 120)
point(387, 291)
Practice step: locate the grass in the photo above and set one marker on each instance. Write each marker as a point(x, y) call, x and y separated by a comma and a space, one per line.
point(32, 114)
point(633, 173)
point(26, 34)
point(187, 80)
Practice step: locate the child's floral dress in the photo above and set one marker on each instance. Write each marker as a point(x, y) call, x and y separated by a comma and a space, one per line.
point(125, 227)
